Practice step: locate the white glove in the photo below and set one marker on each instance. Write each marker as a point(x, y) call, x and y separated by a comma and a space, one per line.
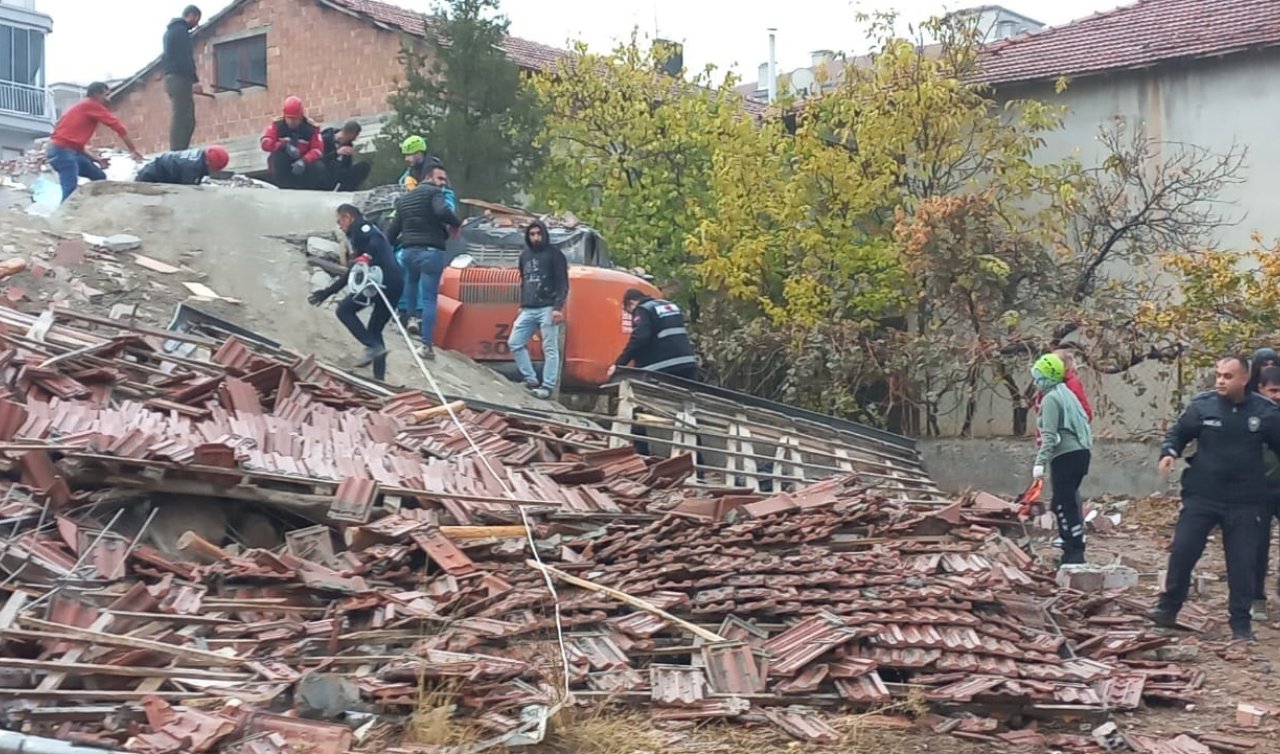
point(1037, 472)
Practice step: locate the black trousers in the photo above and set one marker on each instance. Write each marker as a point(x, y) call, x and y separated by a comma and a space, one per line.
point(1066, 472)
point(182, 119)
point(343, 177)
point(1241, 526)
point(369, 336)
point(280, 167)
point(1263, 565)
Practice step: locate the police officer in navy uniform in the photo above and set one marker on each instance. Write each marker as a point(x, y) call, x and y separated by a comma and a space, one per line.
point(370, 245)
point(1224, 485)
point(659, 341)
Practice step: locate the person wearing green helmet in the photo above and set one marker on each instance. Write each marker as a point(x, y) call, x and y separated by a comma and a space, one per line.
point(416, 159)
point(1065, 447)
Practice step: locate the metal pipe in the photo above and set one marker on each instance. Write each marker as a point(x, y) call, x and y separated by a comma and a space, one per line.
point(20, 743)
point(773, 65)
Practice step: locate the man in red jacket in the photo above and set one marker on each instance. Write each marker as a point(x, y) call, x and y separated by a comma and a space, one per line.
point(67, 153)
point(294, 148)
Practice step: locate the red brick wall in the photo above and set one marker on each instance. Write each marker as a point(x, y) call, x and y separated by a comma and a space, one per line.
point(340, 66)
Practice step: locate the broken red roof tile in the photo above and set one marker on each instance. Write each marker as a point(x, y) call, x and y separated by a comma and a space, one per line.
point(806, 641)
point(803, 723)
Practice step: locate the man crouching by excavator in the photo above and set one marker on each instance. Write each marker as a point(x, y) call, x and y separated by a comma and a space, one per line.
point(659, 341)
point(372, 249)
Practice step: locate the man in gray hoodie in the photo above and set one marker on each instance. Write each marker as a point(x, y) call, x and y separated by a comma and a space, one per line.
point(1066, 443)
point(544, 290)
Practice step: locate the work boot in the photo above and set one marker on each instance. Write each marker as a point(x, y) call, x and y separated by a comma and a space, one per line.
point(1074, 557)
point(414, 327)
point(1162, 618)
point(1243, 633)
point(371, 354)
point(541, 393)
point(1259, 611)
point(426, 352)
point(531, 385)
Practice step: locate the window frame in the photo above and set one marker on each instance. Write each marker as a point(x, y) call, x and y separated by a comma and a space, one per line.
point(243, 49)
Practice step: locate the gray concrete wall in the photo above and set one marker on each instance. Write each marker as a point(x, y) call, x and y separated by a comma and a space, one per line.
point(1002, 466)
point(1211, 103)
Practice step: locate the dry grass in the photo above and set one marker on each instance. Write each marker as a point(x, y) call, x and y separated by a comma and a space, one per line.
point(432, 722)
point(601, 729)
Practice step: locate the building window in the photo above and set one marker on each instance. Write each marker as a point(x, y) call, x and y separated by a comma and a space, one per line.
point(241, 63)
point(21, 56)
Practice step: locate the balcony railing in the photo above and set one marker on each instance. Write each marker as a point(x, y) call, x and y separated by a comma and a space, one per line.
point(26, 99)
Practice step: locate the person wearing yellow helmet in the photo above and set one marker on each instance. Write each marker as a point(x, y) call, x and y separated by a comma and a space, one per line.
point(1065, 447)
point(414, 149)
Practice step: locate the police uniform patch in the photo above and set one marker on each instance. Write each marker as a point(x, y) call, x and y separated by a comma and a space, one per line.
point(1254, 423)
point(364, 228)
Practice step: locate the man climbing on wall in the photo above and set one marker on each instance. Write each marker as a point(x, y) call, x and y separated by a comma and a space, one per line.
point(68, 151)
point(294, 147)
point(372, 249)
point(659, 341)
point(340, 171)
point(181, 82)
point(185, 168)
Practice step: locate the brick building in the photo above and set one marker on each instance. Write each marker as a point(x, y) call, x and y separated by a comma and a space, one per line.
point(340, 56)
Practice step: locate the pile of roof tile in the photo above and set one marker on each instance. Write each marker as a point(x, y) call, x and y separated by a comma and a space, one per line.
point(408, 570)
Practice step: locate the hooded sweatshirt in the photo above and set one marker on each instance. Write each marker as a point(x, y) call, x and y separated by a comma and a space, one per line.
point(544, 273)
point(179, 51)
point(1256, 364)
point(1064, 427)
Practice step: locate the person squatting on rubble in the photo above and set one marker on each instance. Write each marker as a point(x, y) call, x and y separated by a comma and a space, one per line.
point(1223, 485)
point(181, 82)
point(339, 170)
point(1065, 447)
point(67, 152)
point(185, 168)
point(544, 289)
point(421, 226)
point(1268, 384)
point(294, 147)
point(659, 341)
point(369, 246)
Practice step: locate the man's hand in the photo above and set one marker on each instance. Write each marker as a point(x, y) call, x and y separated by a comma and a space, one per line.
point(298, 167)
point(103, 162)
point(346, 151)
point(557, 317)
point(317, 298)
point(1037, 472)
point(136, 155)
point(292, 150)
point(1166, 465)
point(612, 368)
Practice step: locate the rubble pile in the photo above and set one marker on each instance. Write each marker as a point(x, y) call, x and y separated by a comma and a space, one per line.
point(410, 565)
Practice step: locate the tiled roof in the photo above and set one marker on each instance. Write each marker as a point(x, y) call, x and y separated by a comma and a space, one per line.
point(1133, 36)
point(524, 52)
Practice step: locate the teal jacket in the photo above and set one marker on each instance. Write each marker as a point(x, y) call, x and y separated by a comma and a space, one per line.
point(1064, 426)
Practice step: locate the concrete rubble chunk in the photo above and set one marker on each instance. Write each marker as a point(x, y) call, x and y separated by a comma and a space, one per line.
point(1087, 577)
point(323, 247)
point(121, 242)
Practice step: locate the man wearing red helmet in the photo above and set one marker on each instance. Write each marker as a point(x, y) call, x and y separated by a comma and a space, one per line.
point(187, 167)
point(294, 147)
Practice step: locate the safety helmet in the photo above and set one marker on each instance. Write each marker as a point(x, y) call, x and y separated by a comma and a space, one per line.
point(1050, 367)
point(292, 107)
point(216, 157)
point(413, 145)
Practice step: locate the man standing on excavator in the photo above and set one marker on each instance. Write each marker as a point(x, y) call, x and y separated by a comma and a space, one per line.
point(659, 341)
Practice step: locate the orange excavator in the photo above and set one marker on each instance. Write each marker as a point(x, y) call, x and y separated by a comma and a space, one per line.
point(480, 294)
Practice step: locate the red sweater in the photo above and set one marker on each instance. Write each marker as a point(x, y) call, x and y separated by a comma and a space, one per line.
point(76, 126)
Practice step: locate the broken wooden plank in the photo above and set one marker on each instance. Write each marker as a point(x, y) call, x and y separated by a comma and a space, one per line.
point(155, 265)
point(59, 632)
point(129, 671)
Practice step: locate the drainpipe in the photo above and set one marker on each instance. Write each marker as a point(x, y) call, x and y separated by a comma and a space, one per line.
point(773, 66)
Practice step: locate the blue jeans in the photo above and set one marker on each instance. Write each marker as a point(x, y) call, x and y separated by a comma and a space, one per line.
point(529, 321)
point(425, 266)
point(70, 166)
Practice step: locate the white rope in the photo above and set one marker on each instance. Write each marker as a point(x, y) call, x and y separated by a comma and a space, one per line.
point(524, 517)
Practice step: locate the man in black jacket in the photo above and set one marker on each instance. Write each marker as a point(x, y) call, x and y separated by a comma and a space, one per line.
point(341, 171)
point(185, 168)
point(659, 341)
point(544, 289)
point(421, 228)
point(181, 82)
point(1224, 485)
point(372, 248)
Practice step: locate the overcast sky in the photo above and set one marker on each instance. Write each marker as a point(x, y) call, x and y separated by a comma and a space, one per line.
point(100, 39)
